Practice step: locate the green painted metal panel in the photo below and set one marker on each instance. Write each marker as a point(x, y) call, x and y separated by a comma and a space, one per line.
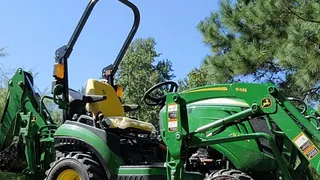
point(14, 97)
point(203, 112)
point(70, 130)
point(308, 146)
point(250, 157)
point(142, 170)
point(154, 172)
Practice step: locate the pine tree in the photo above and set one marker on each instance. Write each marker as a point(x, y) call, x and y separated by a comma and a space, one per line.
point(140, 70)
point(197, 77)
point(265, 41)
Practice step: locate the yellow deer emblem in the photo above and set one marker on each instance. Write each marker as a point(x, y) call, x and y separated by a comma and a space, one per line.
point(266, 102)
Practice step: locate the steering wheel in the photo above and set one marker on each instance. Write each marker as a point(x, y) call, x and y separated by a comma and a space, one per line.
point(159, 99)
point(303, 104)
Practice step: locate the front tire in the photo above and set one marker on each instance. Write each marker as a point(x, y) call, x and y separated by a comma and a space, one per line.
point(75, 166)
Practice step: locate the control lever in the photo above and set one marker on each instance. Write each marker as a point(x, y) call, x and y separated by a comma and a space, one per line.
point(93, 98)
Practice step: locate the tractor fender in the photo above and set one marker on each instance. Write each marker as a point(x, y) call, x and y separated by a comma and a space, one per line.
point(248, 158)
point(92, 139)
point(61, 144)
point(230, 156)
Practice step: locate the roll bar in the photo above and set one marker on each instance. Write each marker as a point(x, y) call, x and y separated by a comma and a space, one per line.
point(63, 53)
point(114, 67)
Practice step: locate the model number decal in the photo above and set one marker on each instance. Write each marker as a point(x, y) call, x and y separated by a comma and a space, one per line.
point(241, 89)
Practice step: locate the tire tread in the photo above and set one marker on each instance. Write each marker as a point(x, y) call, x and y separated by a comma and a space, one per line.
point(229, 174)
point(93, 168)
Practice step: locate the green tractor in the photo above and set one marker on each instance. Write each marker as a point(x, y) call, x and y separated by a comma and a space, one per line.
point(235, 131)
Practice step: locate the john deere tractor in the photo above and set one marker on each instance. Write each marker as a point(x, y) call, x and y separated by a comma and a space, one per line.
point(235, 131)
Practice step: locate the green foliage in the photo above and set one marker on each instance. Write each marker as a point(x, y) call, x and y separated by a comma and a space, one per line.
point(197, 77)
point(5, 74)
point(138, 72)
point(265, 41)
point(11, 176)
point(3, 83)
point(3, 100)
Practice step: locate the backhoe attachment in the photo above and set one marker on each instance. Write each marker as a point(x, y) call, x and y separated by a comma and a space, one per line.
point(25, 116)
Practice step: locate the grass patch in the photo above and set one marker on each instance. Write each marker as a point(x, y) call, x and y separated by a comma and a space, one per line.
point(10, 176)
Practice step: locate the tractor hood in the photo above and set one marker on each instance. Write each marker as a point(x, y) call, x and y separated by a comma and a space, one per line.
point(205, 111)
point(233, 102)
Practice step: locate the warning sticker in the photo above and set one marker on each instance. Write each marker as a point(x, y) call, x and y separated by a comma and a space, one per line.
point(173, 125)
point(173, 117)
point(306, 146)
point(173, 107)
point(313, 152)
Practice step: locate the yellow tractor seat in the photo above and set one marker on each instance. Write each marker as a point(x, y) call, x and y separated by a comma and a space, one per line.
point(112, 108)
point(128, 123)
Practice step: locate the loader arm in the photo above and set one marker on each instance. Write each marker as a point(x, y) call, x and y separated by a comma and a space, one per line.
point(263, 100)
point(26, 117)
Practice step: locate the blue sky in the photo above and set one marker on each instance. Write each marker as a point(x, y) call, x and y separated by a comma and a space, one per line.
point(33, 30)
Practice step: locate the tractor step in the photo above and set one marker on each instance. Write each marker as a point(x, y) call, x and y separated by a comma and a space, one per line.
point(144, 172)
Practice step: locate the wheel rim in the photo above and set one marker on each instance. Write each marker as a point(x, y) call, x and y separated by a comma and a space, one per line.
point(69, 174)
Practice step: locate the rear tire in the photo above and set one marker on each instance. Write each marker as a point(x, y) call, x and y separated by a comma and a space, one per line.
point(75, 165)
point(228, 174)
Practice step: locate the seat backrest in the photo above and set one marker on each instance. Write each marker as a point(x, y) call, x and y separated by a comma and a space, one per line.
point(110, 107)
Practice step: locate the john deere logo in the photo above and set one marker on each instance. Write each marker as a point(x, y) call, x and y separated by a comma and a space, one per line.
point(266, 102)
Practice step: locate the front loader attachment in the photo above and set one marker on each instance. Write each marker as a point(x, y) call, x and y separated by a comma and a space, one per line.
point(301, 136)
